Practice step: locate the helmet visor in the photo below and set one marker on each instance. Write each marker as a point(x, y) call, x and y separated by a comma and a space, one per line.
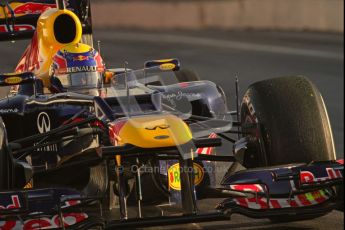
point(80, 80)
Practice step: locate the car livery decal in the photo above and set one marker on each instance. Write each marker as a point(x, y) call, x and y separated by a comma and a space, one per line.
point(174, 175)
point(18, 27)
point(307, 177)
point(15, 204)
point(13, 80)
point(261, 202)
point(32, 8)
point(69, 219)
point(207, 150)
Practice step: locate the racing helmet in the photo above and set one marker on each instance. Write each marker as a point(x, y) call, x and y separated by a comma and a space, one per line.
point(77, 67)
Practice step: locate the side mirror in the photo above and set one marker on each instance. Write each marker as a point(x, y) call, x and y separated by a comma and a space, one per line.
point(107, 76)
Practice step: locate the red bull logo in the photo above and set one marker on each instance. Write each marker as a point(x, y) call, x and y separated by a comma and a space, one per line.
point(81, 58)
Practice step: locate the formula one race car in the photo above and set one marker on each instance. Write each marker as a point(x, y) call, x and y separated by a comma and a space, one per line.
point(150, 138)
point(94, 142)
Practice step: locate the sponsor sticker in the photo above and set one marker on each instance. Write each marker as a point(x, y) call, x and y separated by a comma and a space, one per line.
point(43, 122)
point(76, 69)
point(68, 220)
point(13, 80)
point(81, 58)
point(15, 204)
point(174, 175)
point(167, 66)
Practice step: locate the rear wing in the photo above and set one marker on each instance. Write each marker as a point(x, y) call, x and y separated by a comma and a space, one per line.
point(8, 79)
point(18, 18)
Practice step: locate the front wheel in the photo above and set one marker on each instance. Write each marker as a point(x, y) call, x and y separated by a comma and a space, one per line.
point(292, 120)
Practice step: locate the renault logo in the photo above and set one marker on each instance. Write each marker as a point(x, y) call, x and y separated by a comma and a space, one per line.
point(43, 122)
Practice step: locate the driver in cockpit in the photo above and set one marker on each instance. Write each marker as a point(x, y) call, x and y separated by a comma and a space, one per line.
point(76, 68)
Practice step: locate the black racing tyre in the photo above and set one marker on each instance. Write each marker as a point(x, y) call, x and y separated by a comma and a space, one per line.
point(92, 181)
point(5, 160)
point(186, 75)
point(293, 120)
point(152, 195)
point(98, 180)
point(99, 185)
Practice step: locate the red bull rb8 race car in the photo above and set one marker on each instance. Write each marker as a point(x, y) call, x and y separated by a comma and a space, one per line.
point(99, 155)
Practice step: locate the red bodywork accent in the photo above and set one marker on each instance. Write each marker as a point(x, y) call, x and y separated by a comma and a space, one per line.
point(61, 63)
point(15, 204)
point(207, 150)
point(114, 131)
point(307, 177)
point(99, 62)
point(51, 222)
point(29, 61)
point(275, 204)
point(303, 199)
point(20, 27)
point(293, 203)
point(33, 8)
point(341, 161)
point(261, 202)
point(78, 119)
point(183, 84)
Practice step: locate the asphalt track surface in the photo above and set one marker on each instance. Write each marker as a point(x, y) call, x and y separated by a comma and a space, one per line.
point(220, 56)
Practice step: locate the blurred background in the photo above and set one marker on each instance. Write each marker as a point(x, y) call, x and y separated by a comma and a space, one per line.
point(316, 15)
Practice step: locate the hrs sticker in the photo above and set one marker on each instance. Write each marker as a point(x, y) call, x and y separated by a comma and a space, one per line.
point(174, 175)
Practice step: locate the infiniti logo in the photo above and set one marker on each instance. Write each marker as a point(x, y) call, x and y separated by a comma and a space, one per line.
point(43, 122)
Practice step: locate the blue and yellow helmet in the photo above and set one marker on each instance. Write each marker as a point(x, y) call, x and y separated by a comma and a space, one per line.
point(78, 66)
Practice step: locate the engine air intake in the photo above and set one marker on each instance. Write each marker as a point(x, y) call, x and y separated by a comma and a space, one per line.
point(64, 29)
